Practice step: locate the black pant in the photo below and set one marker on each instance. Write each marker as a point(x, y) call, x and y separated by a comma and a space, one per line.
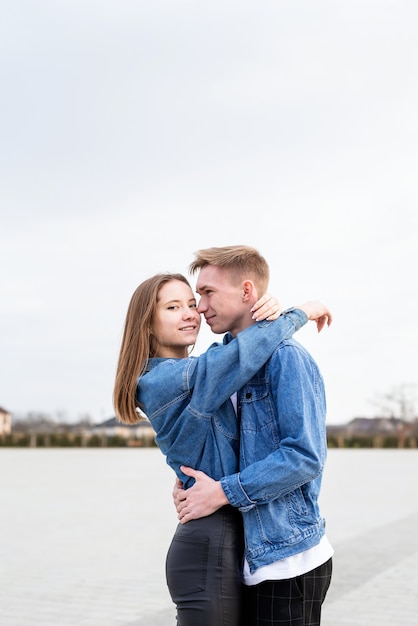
point(203, 569)
point(291, 602)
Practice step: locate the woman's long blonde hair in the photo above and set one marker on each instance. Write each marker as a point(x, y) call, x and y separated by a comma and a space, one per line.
point(137, 345)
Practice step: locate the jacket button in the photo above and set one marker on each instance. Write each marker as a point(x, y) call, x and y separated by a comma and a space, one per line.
point(248, 395)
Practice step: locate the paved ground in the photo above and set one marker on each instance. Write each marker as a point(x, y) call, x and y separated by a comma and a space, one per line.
point(83, 542)
point(375, 579)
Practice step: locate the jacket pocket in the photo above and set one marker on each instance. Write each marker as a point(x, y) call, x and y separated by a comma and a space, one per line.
point(296, 504)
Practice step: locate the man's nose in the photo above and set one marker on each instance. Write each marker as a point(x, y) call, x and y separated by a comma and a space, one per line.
point(201, 307)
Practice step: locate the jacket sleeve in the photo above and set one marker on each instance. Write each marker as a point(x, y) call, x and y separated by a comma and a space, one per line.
point(299, 403)
point(223, 369)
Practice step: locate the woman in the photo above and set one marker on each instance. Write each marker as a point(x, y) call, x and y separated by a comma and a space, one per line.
point(187, 400)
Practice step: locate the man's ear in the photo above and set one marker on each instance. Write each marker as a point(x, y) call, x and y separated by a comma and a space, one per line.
point(248, 290)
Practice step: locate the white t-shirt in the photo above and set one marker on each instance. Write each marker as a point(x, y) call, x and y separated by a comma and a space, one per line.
point(291, 566)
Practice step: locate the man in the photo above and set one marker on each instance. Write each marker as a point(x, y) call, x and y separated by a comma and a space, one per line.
point(288, 559)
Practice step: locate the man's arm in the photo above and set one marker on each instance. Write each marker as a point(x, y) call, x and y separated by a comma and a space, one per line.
point(297, 460)
point(298, 397)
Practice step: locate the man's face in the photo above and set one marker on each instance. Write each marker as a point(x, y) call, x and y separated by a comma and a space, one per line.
point(221, 301)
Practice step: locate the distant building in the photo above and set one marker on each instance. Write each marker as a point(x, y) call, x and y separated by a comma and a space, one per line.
point(375, 431)
point(113, 428)
point(5, 422)
point(374, 425)
point(369, 426)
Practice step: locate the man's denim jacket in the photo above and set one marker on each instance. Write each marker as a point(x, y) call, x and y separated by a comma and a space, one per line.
point(188, 400)
point(282, 456)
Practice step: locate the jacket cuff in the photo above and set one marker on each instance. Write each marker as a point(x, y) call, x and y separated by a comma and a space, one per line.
point(298, 316)
point(235, 493)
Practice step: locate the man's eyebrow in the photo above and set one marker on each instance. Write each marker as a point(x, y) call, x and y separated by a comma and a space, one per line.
point(203, 288)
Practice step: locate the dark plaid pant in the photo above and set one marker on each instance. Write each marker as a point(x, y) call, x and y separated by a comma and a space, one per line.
point(291, 602)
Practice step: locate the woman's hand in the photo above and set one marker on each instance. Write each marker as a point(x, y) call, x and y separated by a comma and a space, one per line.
point(177, 492)
point(266, 308)
point(317, 312)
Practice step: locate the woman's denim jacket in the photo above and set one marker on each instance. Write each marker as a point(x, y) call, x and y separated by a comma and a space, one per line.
point(188, 400)
point(282, 456)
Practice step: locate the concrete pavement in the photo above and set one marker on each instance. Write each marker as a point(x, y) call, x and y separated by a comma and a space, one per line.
point(83, 538)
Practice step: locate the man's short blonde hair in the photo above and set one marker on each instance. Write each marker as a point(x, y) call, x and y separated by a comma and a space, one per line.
point(242, 262)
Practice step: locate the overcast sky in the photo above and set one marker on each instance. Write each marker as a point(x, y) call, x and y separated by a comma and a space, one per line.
point(134, 133)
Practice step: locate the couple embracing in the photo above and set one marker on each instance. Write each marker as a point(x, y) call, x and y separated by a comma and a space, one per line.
point(243, 427)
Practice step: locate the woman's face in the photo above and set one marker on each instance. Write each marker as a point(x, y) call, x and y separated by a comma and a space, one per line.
point(176, 323)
